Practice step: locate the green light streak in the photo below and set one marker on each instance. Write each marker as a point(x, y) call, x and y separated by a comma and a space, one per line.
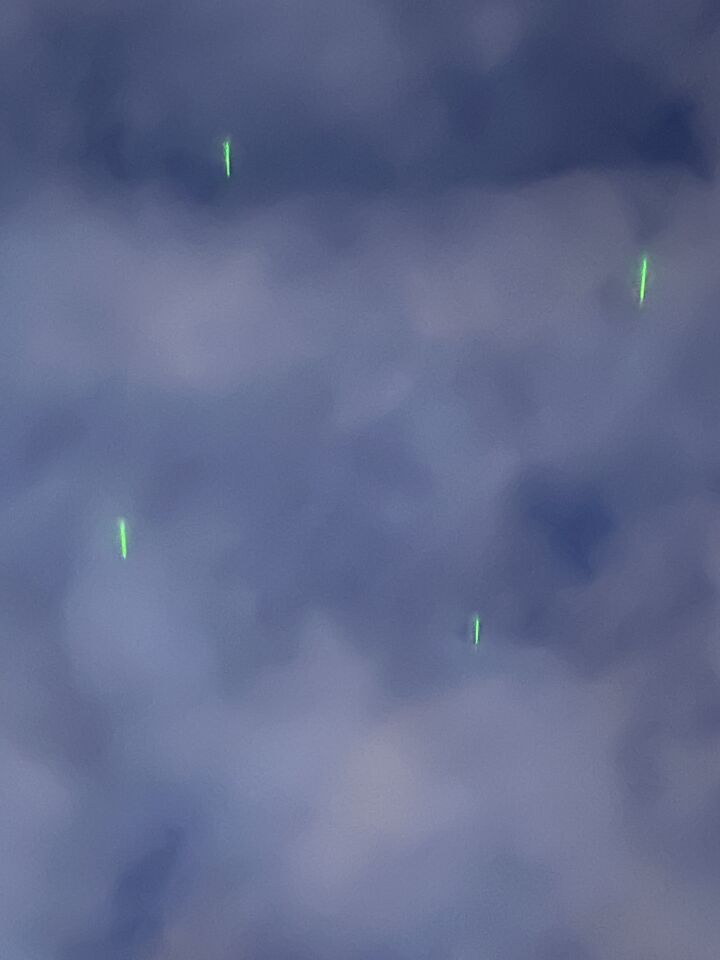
point(123, 538)
point(477, 626)
point(643, 280)
point(226, 150)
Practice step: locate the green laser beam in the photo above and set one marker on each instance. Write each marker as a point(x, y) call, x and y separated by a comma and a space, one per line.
point(643, 280)
point(226, 150)
point(477, 626)
point(123, 538)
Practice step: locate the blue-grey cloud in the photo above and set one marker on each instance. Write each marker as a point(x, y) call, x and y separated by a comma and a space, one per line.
point(392, 372)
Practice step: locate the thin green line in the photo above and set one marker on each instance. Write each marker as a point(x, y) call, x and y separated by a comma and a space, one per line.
point(226, 146)
point(643, 279)
point(123, 540)
point(477, 631)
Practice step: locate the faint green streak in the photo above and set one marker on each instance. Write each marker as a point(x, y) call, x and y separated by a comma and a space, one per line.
point(123, 538)
point(643, 279)
point(226, 149)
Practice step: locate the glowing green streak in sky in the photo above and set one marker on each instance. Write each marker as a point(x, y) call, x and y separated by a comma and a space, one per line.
point(477, 631)
point(643, 280)
point(123, 538)
point(226, 148)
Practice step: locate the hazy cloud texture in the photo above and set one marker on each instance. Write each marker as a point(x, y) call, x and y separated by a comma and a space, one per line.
point(392, 372)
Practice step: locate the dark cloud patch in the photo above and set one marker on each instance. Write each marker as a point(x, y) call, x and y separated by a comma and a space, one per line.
point(142, 885)
point(138, 897)
point(148, 109)
point(556, 107)
point(565, 524)
point(571, 523)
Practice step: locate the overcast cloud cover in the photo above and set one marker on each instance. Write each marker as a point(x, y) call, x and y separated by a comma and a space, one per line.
point(392, 372)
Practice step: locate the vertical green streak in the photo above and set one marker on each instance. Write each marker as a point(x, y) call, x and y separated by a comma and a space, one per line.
point(477, 631)
point(123, 539)
point(226, 148)
point(643, 279)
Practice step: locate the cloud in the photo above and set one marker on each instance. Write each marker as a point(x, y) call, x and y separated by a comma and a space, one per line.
point(392, 372)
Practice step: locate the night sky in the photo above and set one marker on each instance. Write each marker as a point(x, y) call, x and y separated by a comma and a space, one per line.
point(391, 372)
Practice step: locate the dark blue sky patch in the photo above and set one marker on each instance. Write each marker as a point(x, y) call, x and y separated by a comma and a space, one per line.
point(561, 102)
point(571, 520)
point(552, 109)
